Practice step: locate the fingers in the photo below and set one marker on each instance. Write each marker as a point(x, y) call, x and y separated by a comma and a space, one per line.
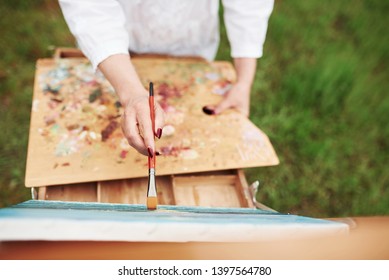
point(137, 126)
point(146, 129)
point(132, 133)
point(159, 120)
point(209, 110)
point(219, 108)
point(237, 98)
point(223, 105)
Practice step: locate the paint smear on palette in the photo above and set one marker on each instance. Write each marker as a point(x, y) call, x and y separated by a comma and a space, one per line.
point(168, 130)
point(165, 93)
point(86, 158)
point(123, 154)
point(124, 144)
point(166, 97)
point(175, 118)
point(66, 146)
point(222, 87)
point(254, 145)
point(108, 130)
point(179, 151)
point(170, 151)
point(189, 154)
point(35, 105)
point(213, 76)
point(76, 94)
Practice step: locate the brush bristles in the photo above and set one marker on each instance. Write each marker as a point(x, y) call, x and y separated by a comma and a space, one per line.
point(152, 203)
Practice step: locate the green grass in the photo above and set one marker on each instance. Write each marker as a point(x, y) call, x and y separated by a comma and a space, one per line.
point(29, 30)
point(320, 94)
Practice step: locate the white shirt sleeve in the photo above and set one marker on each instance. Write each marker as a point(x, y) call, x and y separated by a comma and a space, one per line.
point(246, 23)
point(98, 27)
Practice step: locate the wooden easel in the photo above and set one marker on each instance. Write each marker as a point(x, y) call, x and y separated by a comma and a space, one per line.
point(215, 180)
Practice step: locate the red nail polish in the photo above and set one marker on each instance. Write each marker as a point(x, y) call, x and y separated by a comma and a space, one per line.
point(208, 111)
point(159, 133)
point(150, 151)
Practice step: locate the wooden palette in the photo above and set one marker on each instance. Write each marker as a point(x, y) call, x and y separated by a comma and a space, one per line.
point(75, 133)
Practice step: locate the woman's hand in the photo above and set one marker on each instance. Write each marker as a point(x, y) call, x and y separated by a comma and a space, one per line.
point(136, 120)
point(137, 126)
point(238, 97)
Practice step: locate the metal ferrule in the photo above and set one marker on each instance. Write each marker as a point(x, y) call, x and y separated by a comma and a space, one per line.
point(151, 189)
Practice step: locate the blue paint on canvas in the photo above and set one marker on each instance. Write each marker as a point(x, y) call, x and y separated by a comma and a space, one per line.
point(35, 209)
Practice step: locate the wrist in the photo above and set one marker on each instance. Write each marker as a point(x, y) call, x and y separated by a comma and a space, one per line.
point(245, 70)
point(243, 86)
point(130, 95)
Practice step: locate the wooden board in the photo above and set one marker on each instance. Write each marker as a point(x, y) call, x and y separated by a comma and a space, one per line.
point(75, 134)
point(133, 191)
point(216, 191)
point(226, 188)
point(46, 220)
point(83, 192)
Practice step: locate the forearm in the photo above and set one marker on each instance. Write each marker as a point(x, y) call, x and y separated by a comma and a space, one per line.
point(245, 71)
point(120, 72)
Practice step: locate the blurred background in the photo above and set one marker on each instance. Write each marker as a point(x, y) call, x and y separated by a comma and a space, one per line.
point(320, 93)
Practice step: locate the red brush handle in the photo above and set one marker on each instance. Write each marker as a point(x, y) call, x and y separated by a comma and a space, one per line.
point(152, 116)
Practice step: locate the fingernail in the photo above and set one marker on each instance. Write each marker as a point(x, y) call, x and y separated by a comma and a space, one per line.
point(150, 151)
point(159, 133)
point(208, 111)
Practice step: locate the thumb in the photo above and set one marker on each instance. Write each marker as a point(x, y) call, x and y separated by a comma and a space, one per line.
point(223, 105)
point(159, 120)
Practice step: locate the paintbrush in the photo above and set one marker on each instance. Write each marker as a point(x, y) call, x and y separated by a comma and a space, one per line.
point(152, 199)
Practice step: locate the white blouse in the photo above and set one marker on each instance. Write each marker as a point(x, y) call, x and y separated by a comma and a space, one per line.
point(174, 27)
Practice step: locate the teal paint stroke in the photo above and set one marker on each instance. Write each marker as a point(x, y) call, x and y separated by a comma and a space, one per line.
point(80, 211)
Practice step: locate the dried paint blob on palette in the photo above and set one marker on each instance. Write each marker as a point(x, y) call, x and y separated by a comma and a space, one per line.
point(82, 112)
